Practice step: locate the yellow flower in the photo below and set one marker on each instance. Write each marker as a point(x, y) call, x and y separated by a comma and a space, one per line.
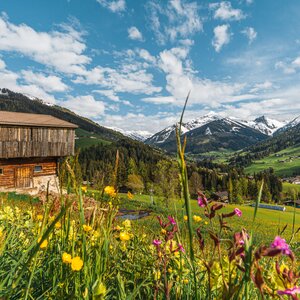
point(124, 236)
point(206, 223)
point(157, 275)
point(57, 225)
point(129, 196)
point(87, 228)
point(118, 228)
point(76, 263)
point(185, 281)
point(170, 270)
point(44, 244)
point(163, 231)
point(84, 189)
point(185, 218)
point(127, 224)
point(66, 258)
point(39, 217)
point(110, 190)
point(197, 219)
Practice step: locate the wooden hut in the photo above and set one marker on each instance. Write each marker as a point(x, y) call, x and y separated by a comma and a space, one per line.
point(30, 146)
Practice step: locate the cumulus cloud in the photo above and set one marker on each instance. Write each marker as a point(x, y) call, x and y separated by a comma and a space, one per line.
point(221, 37)
point(86, 106)
point(146, 56)
point(183, 20)
point(61, 50)
point(110, 94)
point(135, 34)
point(250, 33)
point(49, 83)
point(224, 11)
point(113, 5)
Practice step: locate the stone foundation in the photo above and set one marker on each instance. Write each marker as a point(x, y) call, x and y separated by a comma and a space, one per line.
point(41, 183)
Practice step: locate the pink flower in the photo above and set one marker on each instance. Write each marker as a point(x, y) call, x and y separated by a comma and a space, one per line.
point(156, 242)
point(238, 212)
point(292, 291)
point(180, 248)
point(172, 221)
point(281, 244)
point(201, 202)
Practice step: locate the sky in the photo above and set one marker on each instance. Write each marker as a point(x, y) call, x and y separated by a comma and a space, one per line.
point(130, 64)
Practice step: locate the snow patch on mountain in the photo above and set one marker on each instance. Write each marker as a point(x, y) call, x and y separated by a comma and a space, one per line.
point(138, 135)
point(265, 125)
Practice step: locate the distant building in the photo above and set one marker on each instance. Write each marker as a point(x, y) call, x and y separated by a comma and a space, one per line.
point(220, 196)
point(30, 147)
point(293, 203)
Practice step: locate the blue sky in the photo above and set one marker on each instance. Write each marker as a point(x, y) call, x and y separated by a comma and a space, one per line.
point(129, 64)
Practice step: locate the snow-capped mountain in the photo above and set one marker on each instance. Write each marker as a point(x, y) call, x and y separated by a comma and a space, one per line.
point(265, 125)
point(208, 133)
point(169, 132)
point(289, 125)
point(138, 135)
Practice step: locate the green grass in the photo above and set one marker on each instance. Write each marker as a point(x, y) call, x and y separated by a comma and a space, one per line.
point(268, 223)
point(220, 156)
point(87, 139)
point(12, 196)
point(287, 168)
point(286, 187)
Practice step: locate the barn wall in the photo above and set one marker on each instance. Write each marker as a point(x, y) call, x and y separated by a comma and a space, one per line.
point(7, 179)
point(36, 142)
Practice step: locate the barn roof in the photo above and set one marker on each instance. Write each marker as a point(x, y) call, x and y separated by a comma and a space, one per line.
point(36, 120)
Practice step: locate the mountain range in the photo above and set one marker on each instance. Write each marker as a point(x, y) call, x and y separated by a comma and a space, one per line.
point(213, 132)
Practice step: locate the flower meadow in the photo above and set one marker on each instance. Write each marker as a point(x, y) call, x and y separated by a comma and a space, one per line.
point(72, 246)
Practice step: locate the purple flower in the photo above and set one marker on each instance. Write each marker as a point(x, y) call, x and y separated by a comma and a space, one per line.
point(180, 248)
point(156, 242)
point(238, 212)
point(172, 221)
point(281, 244)
point(201, 202)
point(292, 291)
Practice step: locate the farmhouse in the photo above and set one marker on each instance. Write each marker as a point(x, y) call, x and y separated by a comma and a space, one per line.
point(30, 148)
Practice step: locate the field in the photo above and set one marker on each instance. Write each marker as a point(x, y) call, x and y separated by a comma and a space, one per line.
point(74, 247)
point(86, 139)
point(289, 186)
point(285, 163)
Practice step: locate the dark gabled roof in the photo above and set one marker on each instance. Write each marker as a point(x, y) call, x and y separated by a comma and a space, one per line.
point(34, 120)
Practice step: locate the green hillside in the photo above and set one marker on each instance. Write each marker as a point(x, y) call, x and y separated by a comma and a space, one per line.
point(85, 139)
point(284, 163)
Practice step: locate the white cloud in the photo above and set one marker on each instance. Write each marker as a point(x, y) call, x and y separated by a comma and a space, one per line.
point(262, 86)
point(135, 34)
point(2, 64)
point(250, 33)
point(221, 37)
point(224, 11)
point(160, 100)
point(146, 56)
point(110, 94)
point(86, 106)
point(49, 83)
point(60, 50)
point(287, 68)
point(113, 5)
point(182, 17)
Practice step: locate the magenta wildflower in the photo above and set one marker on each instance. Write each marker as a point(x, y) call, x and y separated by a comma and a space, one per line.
point(292, 291)
point(201, 202)
point(238, 212)
point(172, 221)
point(180, 248)
point(281, 244)
point(156, 242)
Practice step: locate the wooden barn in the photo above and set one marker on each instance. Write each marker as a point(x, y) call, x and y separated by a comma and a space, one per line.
point(30, 147)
